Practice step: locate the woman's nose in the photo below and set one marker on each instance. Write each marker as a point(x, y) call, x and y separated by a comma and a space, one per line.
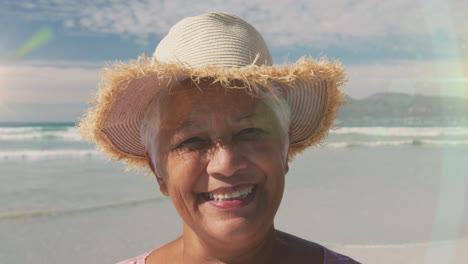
point(225, 161)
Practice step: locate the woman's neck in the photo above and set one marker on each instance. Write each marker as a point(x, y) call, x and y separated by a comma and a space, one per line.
point(196, 249)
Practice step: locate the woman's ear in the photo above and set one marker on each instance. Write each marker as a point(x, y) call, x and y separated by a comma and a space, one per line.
point(286, 160)
point(286, 163)
point(162, 183)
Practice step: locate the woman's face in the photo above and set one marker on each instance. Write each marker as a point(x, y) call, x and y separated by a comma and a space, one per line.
point(224, 159)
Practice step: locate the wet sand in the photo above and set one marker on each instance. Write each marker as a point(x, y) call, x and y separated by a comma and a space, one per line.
point(375, 206)
point(110, 235)
point(447, 252)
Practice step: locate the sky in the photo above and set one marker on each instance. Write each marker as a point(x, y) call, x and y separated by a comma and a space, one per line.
point(51, 51)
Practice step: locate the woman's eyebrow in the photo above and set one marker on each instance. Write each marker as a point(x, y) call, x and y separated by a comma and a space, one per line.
point(247, 116)
point(188, 125)
point(191, 125)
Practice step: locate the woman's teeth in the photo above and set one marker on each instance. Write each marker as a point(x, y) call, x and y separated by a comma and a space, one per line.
point(230, 196)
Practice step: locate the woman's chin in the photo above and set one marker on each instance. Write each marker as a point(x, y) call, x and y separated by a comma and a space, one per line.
point(236, 230)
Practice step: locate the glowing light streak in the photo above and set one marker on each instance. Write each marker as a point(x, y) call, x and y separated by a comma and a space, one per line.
point(39, 39)
point(454, 177)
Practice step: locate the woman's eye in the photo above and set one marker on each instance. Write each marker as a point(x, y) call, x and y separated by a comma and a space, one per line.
point(250, 133)
point(192, 144)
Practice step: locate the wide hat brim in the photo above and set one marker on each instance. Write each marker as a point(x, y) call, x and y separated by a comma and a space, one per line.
point(310, 87)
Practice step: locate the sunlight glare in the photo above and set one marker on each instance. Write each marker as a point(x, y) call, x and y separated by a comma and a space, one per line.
point(39, 39)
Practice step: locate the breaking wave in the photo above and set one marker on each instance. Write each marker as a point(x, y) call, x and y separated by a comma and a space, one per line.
point(65, 133)
point(402, 131)
point(48, 154)
point(396, 143)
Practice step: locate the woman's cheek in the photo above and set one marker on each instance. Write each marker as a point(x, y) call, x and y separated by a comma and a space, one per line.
point(184, 172)
point(264, 149)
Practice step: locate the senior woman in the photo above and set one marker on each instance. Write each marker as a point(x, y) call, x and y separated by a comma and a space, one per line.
point(217, 124)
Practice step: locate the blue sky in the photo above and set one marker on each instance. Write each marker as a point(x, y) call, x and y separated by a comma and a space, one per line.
point(401, 46)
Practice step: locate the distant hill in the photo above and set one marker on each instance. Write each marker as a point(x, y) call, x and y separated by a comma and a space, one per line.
point(390, 109)
point(381, 109)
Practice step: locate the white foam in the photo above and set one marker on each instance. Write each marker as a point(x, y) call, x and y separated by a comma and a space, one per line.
point(403, 131)
point(71, 134)
point(367, 144)
point(399, 245)
point(445, 142)
point(28, 133)
point(395, 143)
point(48, 154)
point(17, 130)
point(335, 145)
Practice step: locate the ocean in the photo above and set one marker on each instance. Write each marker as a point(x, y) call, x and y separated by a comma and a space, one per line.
point(362, 186)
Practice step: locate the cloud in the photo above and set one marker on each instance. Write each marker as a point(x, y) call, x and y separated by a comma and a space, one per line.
point(447, 78)
point(283, 23)
point(69, 23)
point(76, 82)
point(438, 26)
point(43, 82)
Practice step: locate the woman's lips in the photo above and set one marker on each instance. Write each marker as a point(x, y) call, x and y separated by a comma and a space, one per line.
point(232, 198)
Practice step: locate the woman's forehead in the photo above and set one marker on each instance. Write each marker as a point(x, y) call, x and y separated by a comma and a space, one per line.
point(208, 92)
point(187, 107)
point(211, 97)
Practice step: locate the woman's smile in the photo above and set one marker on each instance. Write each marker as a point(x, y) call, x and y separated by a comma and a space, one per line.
point(230, 198)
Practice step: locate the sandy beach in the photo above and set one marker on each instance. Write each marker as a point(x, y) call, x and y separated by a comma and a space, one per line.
point(402, 204)
point(107, 236)
point(450, 252)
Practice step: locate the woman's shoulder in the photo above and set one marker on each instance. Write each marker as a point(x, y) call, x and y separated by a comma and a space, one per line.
point(329, 256)
point(136, 260)
point(157, 255)
point(301, 245)
point(332, 257)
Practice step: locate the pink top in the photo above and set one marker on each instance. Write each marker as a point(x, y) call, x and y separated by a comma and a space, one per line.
point(330, 257)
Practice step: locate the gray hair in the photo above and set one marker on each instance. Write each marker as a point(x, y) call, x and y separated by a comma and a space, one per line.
point(152, 118)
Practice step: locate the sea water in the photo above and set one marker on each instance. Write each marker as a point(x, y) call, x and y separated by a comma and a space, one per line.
point(363, 185)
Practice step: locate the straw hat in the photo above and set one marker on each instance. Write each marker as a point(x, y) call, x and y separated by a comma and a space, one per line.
point(221, 47)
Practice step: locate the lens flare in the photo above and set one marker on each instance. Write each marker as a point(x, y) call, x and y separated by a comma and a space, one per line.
point(453, 182)
point(39, 39)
